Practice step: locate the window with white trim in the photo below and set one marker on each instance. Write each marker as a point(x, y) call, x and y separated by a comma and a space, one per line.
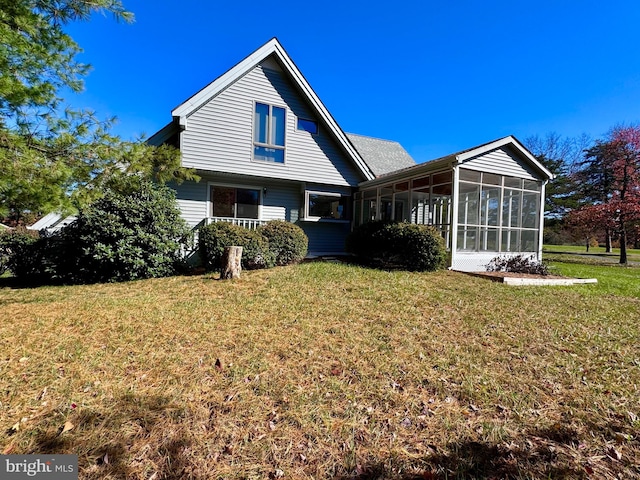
point(326, 206)
point(268, 133)
point(232, 202)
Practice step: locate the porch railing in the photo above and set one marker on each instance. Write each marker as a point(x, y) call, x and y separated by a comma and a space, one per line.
point(251, 223)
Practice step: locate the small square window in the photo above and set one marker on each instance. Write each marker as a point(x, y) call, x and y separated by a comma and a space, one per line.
point(310, 126)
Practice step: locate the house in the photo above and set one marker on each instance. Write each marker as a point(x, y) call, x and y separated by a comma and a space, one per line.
point(267, 148)
point(51, 223)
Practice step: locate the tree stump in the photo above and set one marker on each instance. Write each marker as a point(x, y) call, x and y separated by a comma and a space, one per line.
point(231, 262)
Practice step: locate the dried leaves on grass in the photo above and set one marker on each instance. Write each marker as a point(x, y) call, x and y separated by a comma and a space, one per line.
point(322, 371)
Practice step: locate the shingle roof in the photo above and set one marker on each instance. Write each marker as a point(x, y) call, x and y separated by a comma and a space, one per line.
point(382, 156)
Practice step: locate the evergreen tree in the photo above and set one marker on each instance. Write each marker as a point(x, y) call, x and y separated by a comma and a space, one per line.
point(53, 157)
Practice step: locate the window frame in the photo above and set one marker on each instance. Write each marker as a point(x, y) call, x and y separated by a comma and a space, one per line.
point(259, 189)
point(267, 145)
point(311, 218)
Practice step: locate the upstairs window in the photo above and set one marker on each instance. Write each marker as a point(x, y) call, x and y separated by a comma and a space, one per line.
point(268, 133)
point(310, 126)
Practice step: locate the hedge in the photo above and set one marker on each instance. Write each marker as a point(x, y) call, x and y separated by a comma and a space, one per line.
point(398, 245)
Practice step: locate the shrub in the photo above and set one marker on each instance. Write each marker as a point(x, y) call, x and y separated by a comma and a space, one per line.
point(517, 264)
point(131, 233)
point(287, 242)
point(398, 245)
point(214, 237)
point(17, 248)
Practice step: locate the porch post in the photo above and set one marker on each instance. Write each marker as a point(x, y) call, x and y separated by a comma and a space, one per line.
point(541, 222)
point(453, 225)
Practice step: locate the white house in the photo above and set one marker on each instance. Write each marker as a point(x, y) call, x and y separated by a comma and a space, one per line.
point(267, 148)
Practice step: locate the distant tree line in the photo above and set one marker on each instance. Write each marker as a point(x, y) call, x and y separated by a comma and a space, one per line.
point(595, 196)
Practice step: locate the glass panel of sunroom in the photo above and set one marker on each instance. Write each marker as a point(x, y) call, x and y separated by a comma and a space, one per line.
point(489, 239)
point(510, 240)
point(440, 204)
point(386, 203)
point(529, 240)
point(530, 206)
point(467, 238)
point(402, 207)
point(468, 200)
point(511, 208)
point(490, 206)
point(420, 205)
point(369, 209)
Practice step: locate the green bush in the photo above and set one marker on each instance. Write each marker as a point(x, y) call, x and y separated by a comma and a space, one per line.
point(398, 245)
point(213, 238)
point(287, 242)
point(131, 233)
point(17, 252)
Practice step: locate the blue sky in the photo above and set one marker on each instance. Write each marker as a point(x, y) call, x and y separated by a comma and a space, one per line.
point(437, 76)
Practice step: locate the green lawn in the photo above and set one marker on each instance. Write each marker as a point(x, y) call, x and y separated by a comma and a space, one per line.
point(326, 370)
point(594, 255)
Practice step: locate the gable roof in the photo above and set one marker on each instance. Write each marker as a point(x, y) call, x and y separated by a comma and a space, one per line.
point(382, 156)
point(272, 48)
point(464, 155)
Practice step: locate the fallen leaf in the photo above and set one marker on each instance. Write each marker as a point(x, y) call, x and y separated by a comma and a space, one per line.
point(272, 425)
point(67, 426)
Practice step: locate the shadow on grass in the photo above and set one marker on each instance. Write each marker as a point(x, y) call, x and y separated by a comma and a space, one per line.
point(533, 457)
point(130, 419)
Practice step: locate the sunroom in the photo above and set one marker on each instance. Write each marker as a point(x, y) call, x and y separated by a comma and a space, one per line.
point(485, 201)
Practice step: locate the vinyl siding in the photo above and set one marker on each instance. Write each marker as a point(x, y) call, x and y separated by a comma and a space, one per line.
point(281, 202)
point(192, 200)
point(502, 161)
point(326, 238)
point(219, 135)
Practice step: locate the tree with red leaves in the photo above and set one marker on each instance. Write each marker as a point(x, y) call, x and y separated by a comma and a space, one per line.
point(610, 183)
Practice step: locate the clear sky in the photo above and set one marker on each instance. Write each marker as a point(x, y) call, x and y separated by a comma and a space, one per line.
point(437, 76)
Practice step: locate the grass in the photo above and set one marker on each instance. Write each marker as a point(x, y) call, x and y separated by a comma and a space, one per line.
point(595, 255)
point(324, 370)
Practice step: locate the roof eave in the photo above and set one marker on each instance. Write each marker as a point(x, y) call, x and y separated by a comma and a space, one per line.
point(509, 140)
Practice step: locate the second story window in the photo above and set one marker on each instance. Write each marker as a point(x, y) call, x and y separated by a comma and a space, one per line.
point(268, 133)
